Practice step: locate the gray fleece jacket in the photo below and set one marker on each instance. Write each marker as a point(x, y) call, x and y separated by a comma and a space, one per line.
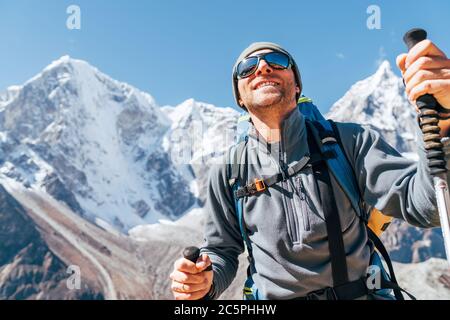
point(286, 223)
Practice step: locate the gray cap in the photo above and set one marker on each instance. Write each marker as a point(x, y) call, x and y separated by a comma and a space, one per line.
point(259, 46)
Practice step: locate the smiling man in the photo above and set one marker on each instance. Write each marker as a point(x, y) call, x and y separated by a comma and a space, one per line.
point(304, 237)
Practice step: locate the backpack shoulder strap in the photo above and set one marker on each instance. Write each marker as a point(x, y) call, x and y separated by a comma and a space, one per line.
point(236, 174)
point(234, 161)
point(336, 245)
point(338, 163)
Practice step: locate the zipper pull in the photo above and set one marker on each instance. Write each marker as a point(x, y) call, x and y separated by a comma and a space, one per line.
point(284, 171)
point(302, 189)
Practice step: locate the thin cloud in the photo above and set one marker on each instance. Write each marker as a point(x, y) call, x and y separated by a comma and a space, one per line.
point(381, 56)
point(340, 55)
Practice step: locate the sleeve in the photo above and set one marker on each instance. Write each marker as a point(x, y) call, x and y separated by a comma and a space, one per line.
point(223, 242)
point(398, 187)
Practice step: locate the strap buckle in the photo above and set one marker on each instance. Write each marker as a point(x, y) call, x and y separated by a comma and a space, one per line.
point(260, 185)
point(256, 186)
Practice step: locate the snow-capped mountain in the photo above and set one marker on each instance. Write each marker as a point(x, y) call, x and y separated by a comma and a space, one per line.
point(200, 133)
point(380, 101)
point(92, 142)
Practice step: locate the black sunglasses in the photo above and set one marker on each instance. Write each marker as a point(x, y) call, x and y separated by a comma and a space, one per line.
point(275, 59)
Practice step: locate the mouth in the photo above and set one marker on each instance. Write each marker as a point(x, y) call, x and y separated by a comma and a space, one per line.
point(265, 83)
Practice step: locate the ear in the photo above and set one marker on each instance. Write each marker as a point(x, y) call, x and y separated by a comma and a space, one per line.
point(297, 89)
point(241, 103)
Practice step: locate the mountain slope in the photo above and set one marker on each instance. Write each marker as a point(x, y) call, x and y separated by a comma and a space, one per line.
point(200, 133)
point(92, 142)
point(28, 268)
point(379, 101)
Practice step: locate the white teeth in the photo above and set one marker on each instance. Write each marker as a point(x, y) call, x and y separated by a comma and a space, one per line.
point(265, 83)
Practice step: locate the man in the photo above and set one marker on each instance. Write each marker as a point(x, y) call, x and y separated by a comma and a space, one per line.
point(285, 223)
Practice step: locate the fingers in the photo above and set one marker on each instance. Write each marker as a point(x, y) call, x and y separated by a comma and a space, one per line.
point(190, 296)
point(203, 262)
point(187, 278)
point(434, 87)
point(189, 288)
point(425, 75)
point(423, 48)
point(426, 69)
point(425, 63)
point(185, 265)
point(401, 59)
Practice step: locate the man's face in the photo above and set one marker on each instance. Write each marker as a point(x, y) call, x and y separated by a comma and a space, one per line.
point(267, 86)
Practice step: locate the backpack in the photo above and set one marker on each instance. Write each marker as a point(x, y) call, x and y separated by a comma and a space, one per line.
point(326, 156)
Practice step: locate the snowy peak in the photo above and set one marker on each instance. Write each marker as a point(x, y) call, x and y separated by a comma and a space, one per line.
point(63, 70)
point(384, 71)
point(75, 68)
point(384, 77)
point(191, 110)
point(202, 127)
point(199, 134)
point(64, 61)
point(380, 101)
point(92, 142)
point(75, 74)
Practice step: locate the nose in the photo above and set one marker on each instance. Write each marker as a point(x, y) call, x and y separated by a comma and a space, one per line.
point(263, 67)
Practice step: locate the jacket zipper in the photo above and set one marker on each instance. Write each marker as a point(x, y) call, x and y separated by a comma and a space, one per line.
point(304, 205)
point(293, 223)
point(291, 212)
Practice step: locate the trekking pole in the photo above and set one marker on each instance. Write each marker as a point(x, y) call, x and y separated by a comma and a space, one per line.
point(192, 254)
point(429, 118)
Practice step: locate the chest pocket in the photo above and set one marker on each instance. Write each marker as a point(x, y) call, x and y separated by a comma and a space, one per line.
point(309, 209)
point(302, 218)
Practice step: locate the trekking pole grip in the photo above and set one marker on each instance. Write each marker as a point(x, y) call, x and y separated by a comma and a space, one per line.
point(429, 124)
point(428, 115)
point(192, 254)
point(414, 36)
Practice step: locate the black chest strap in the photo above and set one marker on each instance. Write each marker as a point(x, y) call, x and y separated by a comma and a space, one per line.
point(332, 219)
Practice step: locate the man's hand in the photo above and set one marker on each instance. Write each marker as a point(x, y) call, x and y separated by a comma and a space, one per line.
point(426, 69)
point(189, 280)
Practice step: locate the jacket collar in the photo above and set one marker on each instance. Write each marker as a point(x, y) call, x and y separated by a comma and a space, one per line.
point(293, 145)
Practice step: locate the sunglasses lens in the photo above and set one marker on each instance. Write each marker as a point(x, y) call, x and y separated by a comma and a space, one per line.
point(247, 66)
point(277, 60)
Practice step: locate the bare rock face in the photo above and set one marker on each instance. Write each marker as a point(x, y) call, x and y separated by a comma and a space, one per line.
point(28, 268)
point(408, 244)
point(168, 186)
point(59, 191)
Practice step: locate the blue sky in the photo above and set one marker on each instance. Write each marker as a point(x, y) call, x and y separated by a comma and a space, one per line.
point(177, 49)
